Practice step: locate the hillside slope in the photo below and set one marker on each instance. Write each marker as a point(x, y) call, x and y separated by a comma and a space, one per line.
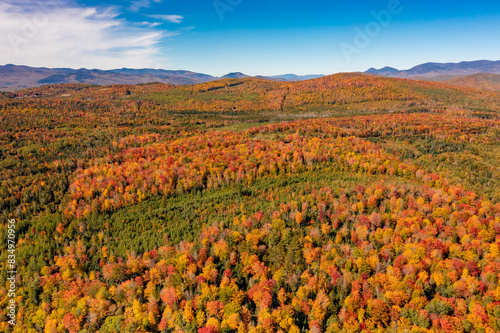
point(477, 81)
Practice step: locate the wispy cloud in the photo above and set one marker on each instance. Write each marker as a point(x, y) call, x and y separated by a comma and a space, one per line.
point(137, 5)
point(56, 34)
point(168, 18)
point(151, 24)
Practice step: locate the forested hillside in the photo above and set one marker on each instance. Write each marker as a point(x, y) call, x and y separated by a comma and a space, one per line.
point(346, 203)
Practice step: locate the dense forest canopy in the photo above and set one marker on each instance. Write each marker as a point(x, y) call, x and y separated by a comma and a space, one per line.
point(347, 203)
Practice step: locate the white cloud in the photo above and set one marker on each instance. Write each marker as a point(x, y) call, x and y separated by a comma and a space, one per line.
point(168, 18)
point(53, 34)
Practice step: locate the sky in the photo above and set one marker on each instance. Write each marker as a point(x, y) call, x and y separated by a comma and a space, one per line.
point(255, 37)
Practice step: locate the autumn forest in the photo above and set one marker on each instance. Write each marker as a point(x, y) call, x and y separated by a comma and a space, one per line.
point(346, 203)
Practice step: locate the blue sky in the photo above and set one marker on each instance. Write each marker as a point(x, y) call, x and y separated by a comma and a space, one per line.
point(251, 36)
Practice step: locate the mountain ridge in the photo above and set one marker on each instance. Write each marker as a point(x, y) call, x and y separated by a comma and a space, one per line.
point(435, 69)
point(17, 77)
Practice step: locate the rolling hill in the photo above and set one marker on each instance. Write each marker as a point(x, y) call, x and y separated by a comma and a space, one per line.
point(343, 93)
point(478, 81)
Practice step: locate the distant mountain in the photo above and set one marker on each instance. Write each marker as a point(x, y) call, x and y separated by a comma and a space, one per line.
point(290, 77)
point(269, 78)
point(14, 77)
point(293, 77)
point(386, 71)
point(236, 75)
point(165, 73)
point(285, 77)
point(432, 69)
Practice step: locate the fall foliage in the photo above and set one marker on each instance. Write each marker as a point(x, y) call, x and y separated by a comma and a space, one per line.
point(156, 208)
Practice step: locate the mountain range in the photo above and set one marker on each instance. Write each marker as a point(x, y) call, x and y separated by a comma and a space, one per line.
point(441, 70)
point(14, 77)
